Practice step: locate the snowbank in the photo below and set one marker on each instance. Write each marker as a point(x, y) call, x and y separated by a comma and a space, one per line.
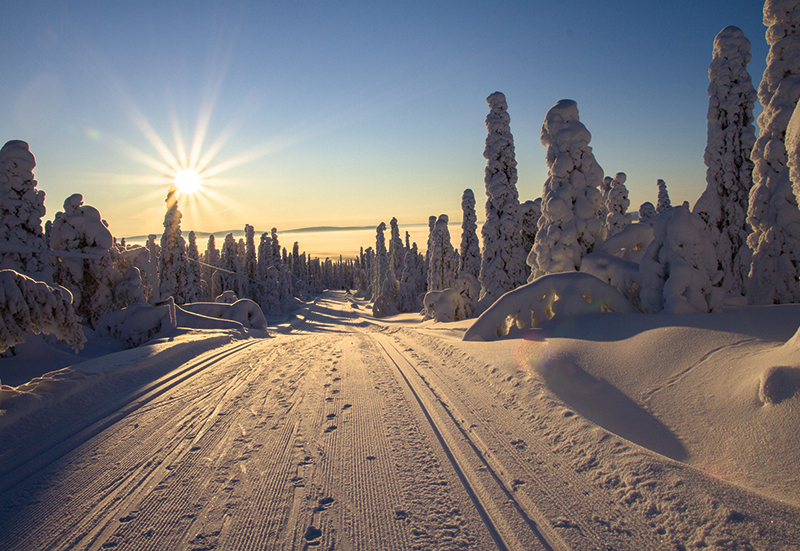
point(544, 299)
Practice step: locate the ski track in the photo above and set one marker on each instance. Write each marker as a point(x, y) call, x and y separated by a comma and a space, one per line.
point(349, 436)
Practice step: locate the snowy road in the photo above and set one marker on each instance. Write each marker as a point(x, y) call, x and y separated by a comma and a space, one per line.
point(339, 435)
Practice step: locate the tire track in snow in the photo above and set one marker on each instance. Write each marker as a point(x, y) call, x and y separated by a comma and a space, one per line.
point(493, 507)
point(554, 492)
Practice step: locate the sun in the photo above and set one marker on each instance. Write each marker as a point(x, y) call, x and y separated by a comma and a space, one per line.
point(187, 181)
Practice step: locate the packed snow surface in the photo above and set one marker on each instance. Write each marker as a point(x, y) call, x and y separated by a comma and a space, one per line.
point(612, 431)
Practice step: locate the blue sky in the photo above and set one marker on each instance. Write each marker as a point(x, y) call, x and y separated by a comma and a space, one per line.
point(349, 113)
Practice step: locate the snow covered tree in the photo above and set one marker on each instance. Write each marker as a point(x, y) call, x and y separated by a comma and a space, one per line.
point(23, 247)
point(381, 261)
point(442, 265)
point(663, 202)
point(529, 212)
point(572, 221)
point(679, 269)
point(30, 306)
point(731, 136)
point(469, 258)
point(431, 225)
point(617, 204)
point(250, 267)
point(396, 252)
point(412, 282)
point(211, 260)
point(647, 213)
point(503, 258)
point(773, 214)
point(227, 276)
point(84, 264)
point(175, 276)
point(195, 290)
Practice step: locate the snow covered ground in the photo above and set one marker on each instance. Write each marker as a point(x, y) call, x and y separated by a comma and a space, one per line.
point(604, 431)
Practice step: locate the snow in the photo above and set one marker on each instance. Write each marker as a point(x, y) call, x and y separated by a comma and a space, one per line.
point(599, 433)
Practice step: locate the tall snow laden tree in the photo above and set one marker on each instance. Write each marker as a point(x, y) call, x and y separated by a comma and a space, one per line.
point(469, 258)
point(84, 265)
point(22, 243)
point(617, 204)
point(442, 264)
point(381, 261)
point(573, 215)
point(773, 214)
point(227, 276)
point(663, 202)
point(503, 256)
point(731, 136)
point(396, 251)
point(412, 282)
point(175, 276)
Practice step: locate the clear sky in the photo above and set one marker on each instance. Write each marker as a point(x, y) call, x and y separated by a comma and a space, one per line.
point(348, 113)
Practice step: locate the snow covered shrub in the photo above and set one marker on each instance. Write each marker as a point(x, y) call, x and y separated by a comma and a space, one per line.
point(773, 214)
point(647, 213)
point(573, 215)
point(30, 306)
point(617, 204)
point(22, 243)
point(553, 296)
point(129, 289)
point(679, 272)
point(453, 304)
point(731, 136)
point(663, 197)
point(469, 259)
point(176, 279)
point(228, 297)
point(503, 258)
point(442, 263)
point(630, 243)
point(84, 264)
point(135, 325)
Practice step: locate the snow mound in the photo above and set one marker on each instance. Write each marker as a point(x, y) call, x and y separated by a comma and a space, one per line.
point(138, 323)
point(30, 306)
point(544, 299)
point(244, 311)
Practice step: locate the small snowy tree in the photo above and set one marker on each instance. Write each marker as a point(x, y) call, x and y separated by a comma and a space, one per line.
point(573, 216)
point(30, 306)
point(22, 243)
point(647, 213)
point(729, 177)
point(617, 204)
point(195, 287)
point(442, 265)
point(773, 214)
point(678, 272)
point(663, 202)
point(227, 276)
point(174, 273)
point(469, 260)
point(503, 256)
point(84, 265)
